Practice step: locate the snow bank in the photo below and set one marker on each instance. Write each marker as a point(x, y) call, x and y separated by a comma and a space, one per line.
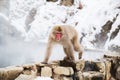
point(94, 15)
point(43, 78)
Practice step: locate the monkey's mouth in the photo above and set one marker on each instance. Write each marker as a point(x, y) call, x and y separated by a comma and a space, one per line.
point(58, 36)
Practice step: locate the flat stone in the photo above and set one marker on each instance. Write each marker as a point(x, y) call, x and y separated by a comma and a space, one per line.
point(67, 2)
point(10, 73)
point(29, 68)
point(46, 72)
point(64, 71)
point(80, 65)
point(92, 75)
point(25, 77)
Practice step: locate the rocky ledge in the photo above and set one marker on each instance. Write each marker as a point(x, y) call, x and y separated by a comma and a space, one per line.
point(107, 68)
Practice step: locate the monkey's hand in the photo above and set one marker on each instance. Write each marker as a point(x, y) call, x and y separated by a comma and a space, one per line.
point(67, 59)
point(44, 62)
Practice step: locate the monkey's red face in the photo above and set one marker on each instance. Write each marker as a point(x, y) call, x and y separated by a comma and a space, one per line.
point(58, 36)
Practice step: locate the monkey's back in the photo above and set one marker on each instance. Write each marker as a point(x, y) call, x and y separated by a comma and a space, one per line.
point(70, 31)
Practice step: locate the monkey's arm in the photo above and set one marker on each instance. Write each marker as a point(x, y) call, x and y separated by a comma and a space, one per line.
point(48, 51)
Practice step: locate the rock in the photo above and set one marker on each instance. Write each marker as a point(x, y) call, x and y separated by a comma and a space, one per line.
point(101, 66)
point(67, 78)
point(90, 66)
point(68, 63)
point(107, 70)
point(61, 77)
point(112, 66)
point(64, 71)
point(25, 77)
point(114, 70)
point(80, 65)
point(10, 73)
point(112, 56)
point(114, 33)
point(118, 73)
point(67, 2)
point(52, 0)
point(93, 75)
point(29, 69)
point(54, 64)
point(46, 72)
point(39, 66)
point(80, 75)
point(56, 77)
point(101, 38)
point(114, 48)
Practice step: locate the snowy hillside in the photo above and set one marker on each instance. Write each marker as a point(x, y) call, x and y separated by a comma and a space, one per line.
point(87, 21)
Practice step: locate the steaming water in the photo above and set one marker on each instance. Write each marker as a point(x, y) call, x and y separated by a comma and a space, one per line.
point(21, 52)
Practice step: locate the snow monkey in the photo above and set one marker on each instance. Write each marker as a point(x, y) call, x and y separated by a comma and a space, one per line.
point(66, 36)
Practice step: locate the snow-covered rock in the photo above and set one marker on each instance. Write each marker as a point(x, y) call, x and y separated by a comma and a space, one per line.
point(88, 21)
point(43, 78)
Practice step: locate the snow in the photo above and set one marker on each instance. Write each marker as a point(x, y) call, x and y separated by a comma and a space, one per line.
point(94, 14)
point(115, 41)
point(43, 78)
point(4, 17)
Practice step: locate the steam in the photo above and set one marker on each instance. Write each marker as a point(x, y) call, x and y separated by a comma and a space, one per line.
point(16, 52)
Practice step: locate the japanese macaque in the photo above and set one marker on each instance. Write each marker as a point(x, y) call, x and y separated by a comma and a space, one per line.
point(66, 36)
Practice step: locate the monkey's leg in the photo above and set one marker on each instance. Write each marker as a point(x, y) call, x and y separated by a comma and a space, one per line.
point(65, 51)
point(77, 47)
point(67, 56)
point(69, 51)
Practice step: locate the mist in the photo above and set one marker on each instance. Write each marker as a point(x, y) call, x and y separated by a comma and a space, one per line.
point(15, 52)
